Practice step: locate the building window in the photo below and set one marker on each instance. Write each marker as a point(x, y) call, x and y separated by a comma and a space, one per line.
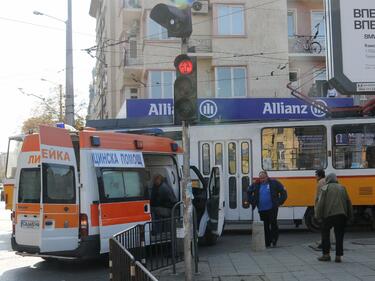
point(230, 82)
point(230, 20)
point(291, 24)
point(155, 31)
point(293, 78)
point(318, 23)
point(160, 84)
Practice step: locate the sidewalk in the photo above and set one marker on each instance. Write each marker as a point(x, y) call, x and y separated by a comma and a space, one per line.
point(286, 262)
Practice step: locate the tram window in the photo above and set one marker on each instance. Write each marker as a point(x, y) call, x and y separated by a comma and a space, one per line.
point(245, 157)
point(353, 146)
point(232, 166)
point(294, 148)
point(245, 187)
point(232, 193)
point(219, 154)
point(206, 159)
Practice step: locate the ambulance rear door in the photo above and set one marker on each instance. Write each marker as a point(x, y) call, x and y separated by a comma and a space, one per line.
point(123, 192)
point(215, 202)
point(59, 217)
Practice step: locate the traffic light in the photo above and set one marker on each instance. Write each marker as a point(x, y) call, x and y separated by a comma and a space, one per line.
point(185, 89)
point(176, 21)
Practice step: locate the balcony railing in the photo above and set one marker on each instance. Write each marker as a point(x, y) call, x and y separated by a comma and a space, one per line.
point(300, 44)
point(200, 44)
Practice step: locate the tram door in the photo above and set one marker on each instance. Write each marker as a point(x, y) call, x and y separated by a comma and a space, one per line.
point(235, 159)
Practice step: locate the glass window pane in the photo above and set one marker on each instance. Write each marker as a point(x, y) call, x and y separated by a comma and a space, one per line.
point(29, 186)
point(245, 157)
point(167, 84)
point(239, 82)
point(223, 20)
point(153, 29)
point(291, 26)
point(58, 184)
point(237, 17)
point(232, 193)
point(223, 78)
point(317, 21)
point(155, 91)
point(113, 184)
point(219, 154)
point(133, 184)
point(245, 187)
point(294, 148)
point(353, 146)
point(14, 148)
point(206, 159)
point(232, 165)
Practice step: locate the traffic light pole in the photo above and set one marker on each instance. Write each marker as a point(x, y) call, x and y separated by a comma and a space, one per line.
point(186, 190)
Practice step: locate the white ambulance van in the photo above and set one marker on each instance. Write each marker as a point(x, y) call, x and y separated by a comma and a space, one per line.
point(75, 190)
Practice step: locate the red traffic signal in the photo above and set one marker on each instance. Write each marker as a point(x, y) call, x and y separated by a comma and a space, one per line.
point(184, 65)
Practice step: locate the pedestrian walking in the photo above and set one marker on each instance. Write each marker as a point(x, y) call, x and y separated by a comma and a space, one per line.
point(334, 209)
point(321, 181)
point(267, 195)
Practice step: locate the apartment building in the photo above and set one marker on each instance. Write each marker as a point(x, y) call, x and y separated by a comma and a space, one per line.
point(241, 48)
point(245, 49)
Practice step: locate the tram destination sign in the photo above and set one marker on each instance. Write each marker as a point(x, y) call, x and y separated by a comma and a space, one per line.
point(351, 45)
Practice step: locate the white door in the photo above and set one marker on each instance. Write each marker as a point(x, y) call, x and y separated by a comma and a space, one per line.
point(59, 214)
point(234, 156)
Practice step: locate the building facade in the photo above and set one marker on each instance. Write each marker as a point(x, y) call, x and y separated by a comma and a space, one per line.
point(244, 49)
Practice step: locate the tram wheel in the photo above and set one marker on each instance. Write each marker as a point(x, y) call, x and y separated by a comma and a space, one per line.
point(310, 221)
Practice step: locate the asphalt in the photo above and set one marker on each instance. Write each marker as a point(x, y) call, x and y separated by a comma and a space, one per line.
point(295, 258)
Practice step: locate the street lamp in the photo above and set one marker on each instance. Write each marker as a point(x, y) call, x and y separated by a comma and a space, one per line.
point(61, 119)
point(69, 90)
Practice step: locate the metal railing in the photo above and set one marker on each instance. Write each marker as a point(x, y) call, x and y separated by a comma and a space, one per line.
point(149, 246)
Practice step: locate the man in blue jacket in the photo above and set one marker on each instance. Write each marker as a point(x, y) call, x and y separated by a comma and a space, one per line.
point(267, 195)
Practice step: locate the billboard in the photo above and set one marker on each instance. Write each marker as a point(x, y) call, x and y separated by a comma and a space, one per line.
point(244, 109)
point(351, 45)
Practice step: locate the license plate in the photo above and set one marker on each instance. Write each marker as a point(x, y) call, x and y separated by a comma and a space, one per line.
point(29, 224)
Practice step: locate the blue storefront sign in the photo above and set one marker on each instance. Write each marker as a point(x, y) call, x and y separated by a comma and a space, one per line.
point(245, 109)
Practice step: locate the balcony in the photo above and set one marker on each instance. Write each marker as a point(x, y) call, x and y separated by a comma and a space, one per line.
point(132, 11)
point(301, 46)
point(200, 46)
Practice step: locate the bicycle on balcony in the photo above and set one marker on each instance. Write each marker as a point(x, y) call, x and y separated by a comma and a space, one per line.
point(308, 44)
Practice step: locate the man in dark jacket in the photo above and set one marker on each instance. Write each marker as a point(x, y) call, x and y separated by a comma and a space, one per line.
point(162, 198)
point(334, 208)
point(267, 195)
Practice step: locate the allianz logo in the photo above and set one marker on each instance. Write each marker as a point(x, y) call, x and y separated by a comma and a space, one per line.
point(280, 108)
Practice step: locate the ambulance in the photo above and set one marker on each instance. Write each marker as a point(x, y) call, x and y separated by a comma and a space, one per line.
point(75, 190)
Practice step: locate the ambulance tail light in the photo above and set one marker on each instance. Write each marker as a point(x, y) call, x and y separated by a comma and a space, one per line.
point(83, 226)
point(13, 219)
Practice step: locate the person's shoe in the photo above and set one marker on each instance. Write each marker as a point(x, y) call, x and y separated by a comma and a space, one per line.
point(274, 242)
point(325, 258)
point(338, 259)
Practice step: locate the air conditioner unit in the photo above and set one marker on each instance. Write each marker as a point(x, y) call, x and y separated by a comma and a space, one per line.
point(200, 7)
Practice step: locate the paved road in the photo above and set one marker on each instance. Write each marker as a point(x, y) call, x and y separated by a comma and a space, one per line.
point(16, 268)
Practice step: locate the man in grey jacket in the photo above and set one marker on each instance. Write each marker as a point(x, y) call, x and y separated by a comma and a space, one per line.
point(334, 209)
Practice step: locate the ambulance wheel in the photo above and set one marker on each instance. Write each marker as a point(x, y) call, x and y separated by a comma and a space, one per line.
point(310, 221)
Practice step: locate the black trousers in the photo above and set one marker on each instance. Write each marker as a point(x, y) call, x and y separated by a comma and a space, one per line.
point(338, 222)
point(271, 229)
